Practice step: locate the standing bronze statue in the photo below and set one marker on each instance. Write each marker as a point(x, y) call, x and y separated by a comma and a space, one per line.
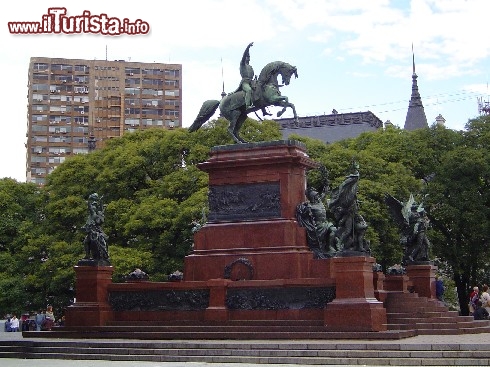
point(246, 99)
point(247, 74)
point(312, 215)
point(95, 241)
point(413, 223)
point(351, 226)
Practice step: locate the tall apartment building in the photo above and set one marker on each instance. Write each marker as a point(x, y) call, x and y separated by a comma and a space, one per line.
point(75, 105)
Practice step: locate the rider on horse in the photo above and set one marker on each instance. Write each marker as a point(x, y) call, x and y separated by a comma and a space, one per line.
point(247, 74)
point(248, 84)
point(253, 94)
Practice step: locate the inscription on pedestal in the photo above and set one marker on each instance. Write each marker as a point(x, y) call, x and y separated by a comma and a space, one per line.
point(244, 202)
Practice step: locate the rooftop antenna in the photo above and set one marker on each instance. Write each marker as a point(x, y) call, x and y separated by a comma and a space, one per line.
point(223, 94)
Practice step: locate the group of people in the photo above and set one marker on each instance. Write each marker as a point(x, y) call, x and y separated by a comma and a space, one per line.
point(12, 323)
point(44, 320)
point(479, 304)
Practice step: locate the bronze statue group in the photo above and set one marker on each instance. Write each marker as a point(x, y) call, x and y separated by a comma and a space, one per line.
point(343, 234)
point(336, 228)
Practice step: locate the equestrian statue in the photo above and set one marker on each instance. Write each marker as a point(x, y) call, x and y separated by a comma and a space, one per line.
point(253, 94)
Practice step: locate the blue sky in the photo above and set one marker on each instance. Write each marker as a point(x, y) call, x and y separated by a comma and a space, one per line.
point(353, 55)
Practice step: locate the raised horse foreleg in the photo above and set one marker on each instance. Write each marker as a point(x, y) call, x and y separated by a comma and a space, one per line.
point(285, 104)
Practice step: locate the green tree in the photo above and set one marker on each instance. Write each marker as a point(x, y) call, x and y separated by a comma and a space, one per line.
point(21, 211)
point(458, 199)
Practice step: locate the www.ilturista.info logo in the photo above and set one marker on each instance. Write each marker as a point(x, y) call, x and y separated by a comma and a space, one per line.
point(57, 22)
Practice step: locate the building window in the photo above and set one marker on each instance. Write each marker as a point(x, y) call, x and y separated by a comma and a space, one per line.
point(132, 110)
point(40, 66)
point(80, 150)
point(132, 91)
point(172, 73)
point(41, 139)
point(40, 77)
point(38, 87)
point(157, 82)
point(38, 159)
point(132, 122)
point(61, 67)
point(172, 93)
point(172, 83)
point(39, 107)
point(152, 71)
point(56, 160)
point(39, 118)
point(132, 71)
point(39, 97)
point(82, 79)
point(81, 90)
point(82, 68)
point(174, 113)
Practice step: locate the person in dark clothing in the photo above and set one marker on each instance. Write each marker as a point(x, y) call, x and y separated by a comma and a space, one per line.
point(480, 312)
point(439, 289)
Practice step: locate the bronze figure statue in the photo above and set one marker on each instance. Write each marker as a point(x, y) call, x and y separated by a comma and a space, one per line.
point(320, 232)
point(247, 74)
point(351, 226)
point(95, 241)
point(413, 223)
point(262, 92)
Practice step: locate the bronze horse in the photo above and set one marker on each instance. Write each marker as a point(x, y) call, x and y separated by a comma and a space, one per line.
point(266, 93)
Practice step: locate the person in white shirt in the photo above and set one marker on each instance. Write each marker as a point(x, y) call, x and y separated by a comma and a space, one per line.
point(485, 298)
point(14, 323)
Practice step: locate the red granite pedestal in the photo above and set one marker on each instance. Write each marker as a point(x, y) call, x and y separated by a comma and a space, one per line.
point(91, 307)
point(423, 278)
point(397, 283)
point(378, 282)
point(254, 191)
point(355, 308)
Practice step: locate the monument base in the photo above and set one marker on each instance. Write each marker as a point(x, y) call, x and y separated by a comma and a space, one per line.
point(355, 315)
point(91, 307)
point(423, 278)
point(88, 314)
point(354, 307)
point(397, 283)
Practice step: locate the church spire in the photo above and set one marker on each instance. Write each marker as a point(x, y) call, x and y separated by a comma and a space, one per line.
point(223, 93)
point(416, 118)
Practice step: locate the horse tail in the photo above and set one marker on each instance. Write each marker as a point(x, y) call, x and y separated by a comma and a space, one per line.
point(207, 110)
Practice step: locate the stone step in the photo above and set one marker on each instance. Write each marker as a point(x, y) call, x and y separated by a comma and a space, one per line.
point(407, 311)
point(399, 319)
point(421, 307)
point(426, 314)
point(203, 328)
point(197, 334)
point(303, 352)
point(200, 323)
point(443, 329)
